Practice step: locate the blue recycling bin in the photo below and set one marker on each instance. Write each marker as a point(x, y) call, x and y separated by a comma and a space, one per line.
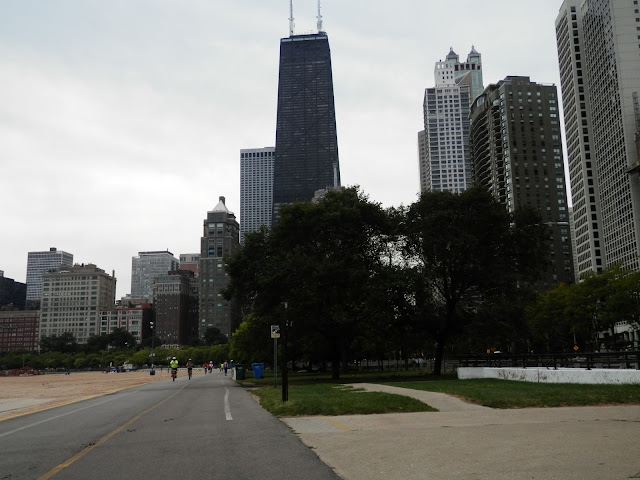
point(258, 370)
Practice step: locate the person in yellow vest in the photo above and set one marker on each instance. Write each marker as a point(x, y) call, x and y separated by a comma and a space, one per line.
point(173, 364)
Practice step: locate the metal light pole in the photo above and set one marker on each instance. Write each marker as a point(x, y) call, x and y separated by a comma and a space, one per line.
point(285, 373)
point(275, 363)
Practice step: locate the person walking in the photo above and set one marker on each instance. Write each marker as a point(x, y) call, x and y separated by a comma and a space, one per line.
point(225, 366)
point(189, 368)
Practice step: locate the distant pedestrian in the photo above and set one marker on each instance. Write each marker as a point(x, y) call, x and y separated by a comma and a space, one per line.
point(225, 366)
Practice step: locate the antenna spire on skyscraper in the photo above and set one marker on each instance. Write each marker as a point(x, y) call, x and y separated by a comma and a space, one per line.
point(291, 24)
point(319, 18)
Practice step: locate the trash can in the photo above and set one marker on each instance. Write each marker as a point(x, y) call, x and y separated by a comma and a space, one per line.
point(240, 370)
point(258, 370)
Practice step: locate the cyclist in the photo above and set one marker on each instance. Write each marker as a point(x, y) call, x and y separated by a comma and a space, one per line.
point(173, 364)
point(190, 368)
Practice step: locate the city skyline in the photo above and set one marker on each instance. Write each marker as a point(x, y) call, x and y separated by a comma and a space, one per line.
point(122, 124)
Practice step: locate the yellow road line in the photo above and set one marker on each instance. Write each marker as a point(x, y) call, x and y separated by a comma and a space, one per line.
point(82, 453)
point(337, 425)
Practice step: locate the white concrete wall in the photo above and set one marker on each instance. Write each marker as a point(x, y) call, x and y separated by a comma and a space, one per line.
point(561, 375)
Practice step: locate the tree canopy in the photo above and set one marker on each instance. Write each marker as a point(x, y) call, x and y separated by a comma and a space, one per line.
point(320, 260)
point(580, 313)
point(464, 251)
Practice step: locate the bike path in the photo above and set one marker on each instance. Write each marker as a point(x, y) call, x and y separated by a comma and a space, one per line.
point(206, 427)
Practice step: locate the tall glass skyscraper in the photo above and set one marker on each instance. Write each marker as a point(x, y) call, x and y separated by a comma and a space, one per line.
point(598, 44)
point(306, 157)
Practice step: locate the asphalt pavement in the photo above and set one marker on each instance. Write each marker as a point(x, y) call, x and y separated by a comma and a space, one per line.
point(208, 427)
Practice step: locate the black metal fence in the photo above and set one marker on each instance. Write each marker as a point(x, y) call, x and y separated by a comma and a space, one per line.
point(617, 360)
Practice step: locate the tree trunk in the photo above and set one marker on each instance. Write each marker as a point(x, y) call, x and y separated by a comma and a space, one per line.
point(335, 368)
point(437, 367)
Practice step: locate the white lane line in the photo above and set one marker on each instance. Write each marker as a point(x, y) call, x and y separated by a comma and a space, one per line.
point(57, 416)
point(227, 409)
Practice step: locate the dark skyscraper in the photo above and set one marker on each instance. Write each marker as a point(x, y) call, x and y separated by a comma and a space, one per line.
point(220, 238)
point(306, 157)
point(516, 153)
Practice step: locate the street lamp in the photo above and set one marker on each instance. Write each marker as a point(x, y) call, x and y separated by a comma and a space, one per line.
point(153, 344)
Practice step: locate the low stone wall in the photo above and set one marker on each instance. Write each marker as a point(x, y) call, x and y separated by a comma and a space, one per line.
point(561, 375)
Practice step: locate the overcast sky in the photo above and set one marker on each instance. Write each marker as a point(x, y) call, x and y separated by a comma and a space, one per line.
point(121, 121)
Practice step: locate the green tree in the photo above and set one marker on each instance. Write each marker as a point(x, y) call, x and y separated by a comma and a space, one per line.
point(465, 249)
point(96, 343)
point(320, 259)
point(582, 312)
point(80, 361)
point(121, 338)
point(621, 301)
point(250, 342)
point(64, 343)
point(602, 299)
point(551, 320)
point(141, 357)
point(213, 336)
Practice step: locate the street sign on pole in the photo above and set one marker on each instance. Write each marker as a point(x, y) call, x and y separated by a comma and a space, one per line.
point(275, 334)
point(275, 331)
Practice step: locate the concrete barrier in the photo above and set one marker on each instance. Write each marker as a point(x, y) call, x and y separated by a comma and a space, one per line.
point(561, 375)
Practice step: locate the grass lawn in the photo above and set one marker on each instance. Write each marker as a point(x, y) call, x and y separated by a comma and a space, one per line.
point(335, 399)
point(509, 394)
point(316, 394)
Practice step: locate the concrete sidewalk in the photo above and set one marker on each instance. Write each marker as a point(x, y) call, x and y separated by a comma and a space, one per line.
point(470, 442)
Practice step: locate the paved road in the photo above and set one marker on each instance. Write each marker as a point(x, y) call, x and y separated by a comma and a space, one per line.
point(206, 427)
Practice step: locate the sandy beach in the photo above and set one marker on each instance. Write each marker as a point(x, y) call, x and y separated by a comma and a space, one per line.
point(20, 395)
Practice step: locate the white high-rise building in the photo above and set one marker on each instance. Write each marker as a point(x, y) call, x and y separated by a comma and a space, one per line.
point(256, 189)
point(39, 263)
point(599, 57)
point(443, 145)
point(146, 267)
